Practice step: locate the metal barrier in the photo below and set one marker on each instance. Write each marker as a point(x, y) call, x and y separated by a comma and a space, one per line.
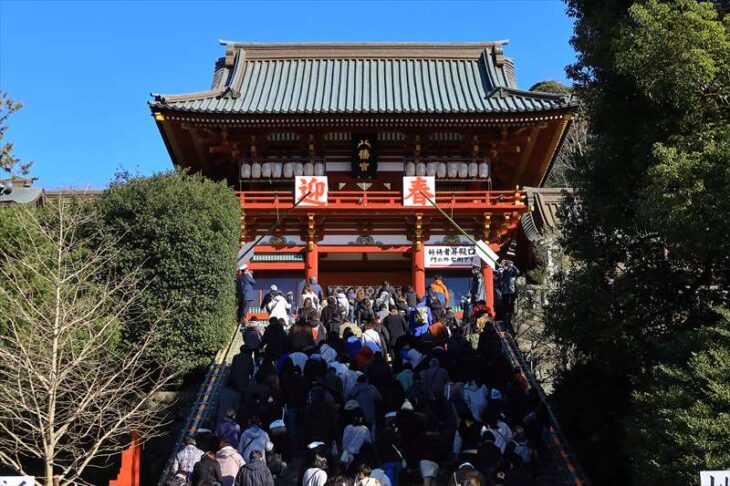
point(205, 402)
point(571, 472)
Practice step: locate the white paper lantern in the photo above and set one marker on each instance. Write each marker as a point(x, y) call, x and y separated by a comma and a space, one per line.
point(410, 169)
point(298, 169)
point(256, 171)
point(453, 170)
point(473, 170)
point(431, 168)
point(420, 169)
point(276, 169)
point(309, 169)
point(319, 169)
point(288, 170)
point(483, 170)
point(441, 170)
point(463, 170)
point(266, 170)
point(245, 171)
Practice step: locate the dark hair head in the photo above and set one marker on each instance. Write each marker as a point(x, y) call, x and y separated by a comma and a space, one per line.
point(383, 306)
point(365, 469)
point(273, 321)
point(319, 462)
point(392, 308)
point(255, 455)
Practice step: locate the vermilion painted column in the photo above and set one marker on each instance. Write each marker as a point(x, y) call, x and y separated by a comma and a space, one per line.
point(419, 258)
point(311, 261)
point(311, 257)
point(419, 268)
point(488, 275)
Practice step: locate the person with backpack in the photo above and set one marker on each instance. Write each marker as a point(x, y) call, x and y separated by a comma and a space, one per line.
point(440, 290)
point(368, 397)
point(316, 473)
point(435, 379)
point(278, 307)
point(420, 318)
point(254, 438)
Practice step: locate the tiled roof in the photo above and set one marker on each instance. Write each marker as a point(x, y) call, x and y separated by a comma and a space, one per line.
point(544, 203)
point(22, 195)
point(363, 78)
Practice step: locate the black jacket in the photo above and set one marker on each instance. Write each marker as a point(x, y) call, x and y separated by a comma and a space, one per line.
point(411, 299)
point(274, 341)
point(254, 473)
point(396, 326)
point(241, 371)
point(207, 470)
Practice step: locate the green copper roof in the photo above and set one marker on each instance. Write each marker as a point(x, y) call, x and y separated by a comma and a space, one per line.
point(363, 78)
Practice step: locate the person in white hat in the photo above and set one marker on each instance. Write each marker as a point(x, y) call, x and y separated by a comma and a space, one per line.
point(245, 292)
point(273, 292)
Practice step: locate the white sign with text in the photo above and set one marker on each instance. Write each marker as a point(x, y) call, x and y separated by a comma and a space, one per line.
point(715, 478)
point(417, 189)
point(457, 256)
point(312, 191)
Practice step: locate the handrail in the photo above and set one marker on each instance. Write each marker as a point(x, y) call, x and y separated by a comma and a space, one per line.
point(572, 472)
point(387, 199)
point(204, 402)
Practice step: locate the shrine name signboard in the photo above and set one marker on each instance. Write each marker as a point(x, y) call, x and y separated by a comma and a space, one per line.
point(457, 256)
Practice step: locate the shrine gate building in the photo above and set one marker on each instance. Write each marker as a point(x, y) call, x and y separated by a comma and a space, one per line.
point(352, 122)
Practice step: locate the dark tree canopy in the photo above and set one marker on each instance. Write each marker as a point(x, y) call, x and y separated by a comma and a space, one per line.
point(182, 232)
point(650, 235)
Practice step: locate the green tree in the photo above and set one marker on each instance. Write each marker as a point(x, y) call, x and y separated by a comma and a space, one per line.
point(648, 237)
point(182, 231)
point(9, 162)
point(550, 86)
point(684, 407)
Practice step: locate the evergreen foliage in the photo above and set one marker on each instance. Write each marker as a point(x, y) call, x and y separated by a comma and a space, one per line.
point(181, 230)
point(684, 407)
point(650, 235)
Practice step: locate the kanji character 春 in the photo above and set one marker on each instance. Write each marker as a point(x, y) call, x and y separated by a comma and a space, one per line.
point(419, 190)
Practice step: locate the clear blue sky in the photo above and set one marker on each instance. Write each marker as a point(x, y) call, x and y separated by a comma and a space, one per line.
point(84, 70)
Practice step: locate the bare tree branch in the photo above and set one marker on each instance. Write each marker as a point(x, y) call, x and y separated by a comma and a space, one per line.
point(71, 389)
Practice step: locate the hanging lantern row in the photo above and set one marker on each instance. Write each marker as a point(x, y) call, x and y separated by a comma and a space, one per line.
point(452, 170)
point(442, 170)
point(278, 170)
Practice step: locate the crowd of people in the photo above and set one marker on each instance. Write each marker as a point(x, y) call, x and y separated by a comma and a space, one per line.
point(347, 390)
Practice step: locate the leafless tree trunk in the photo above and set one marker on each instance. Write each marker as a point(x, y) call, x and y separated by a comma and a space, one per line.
point(71, 388)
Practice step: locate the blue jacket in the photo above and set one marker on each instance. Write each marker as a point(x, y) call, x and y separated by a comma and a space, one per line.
point(416, 328)
point(244, 287)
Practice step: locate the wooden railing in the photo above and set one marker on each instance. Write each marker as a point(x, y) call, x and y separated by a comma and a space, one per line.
point(386, 199)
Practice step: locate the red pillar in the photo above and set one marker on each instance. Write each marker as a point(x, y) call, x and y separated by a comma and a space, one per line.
point(419, 268)
point(311, 261)
point(311, 258)
point(488, 275)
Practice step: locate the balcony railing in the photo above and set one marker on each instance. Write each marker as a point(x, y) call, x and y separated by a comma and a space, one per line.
point(387, 200)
